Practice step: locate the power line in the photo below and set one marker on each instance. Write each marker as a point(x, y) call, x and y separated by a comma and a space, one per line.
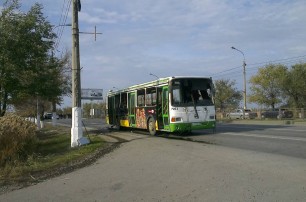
point(257, 65)
point(62, 22)
point(274, 61)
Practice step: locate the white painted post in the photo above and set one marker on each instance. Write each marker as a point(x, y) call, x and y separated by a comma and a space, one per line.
point(76, 129)
point(54, 118)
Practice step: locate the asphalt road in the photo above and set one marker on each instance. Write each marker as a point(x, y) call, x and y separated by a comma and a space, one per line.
point(286, 140)
point(274, 138)
point(238, 163)
point(147, 168)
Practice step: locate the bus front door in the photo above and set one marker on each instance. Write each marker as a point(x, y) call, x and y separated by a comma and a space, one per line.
point(131, 105)
point(165, 107)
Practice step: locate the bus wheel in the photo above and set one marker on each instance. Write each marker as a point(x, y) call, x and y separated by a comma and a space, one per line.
point(151, 126)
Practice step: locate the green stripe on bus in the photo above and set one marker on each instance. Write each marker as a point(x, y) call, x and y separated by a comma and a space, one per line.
point(179, 127)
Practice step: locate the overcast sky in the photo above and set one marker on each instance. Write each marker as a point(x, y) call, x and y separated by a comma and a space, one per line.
point(180, 37)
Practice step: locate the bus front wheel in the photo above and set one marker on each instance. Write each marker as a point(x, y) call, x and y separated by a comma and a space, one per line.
point(151, 126)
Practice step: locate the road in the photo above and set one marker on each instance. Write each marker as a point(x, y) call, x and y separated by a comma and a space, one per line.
point(289, 140)
point(238, 163)
point(276, 139)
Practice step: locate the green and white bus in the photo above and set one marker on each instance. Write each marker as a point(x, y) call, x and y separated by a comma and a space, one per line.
point(173, 104)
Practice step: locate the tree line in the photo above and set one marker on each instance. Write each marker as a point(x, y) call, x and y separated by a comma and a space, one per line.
point(30, 73)
point(274, 85)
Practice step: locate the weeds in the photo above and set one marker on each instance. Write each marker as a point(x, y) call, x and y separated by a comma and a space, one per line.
point(52, 151)
point(17, 138)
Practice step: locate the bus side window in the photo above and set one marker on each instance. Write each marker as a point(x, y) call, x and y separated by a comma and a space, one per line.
point(148, 99)
point(140, 98)
point(154, 98)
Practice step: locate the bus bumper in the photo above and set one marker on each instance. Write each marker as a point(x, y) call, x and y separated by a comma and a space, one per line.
point(187, 127)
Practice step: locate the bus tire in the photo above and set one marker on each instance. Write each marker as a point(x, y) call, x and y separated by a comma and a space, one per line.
point(151, 126)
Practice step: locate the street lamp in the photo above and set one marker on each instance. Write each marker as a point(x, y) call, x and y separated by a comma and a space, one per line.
point(244, 80)
point(57, 26)
point(63, 25)
point(154, 75)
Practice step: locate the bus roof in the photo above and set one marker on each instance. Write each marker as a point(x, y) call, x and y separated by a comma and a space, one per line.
point(154, 83)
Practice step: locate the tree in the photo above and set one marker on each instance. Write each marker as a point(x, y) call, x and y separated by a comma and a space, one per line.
point(8, 20)
point(25, 41)
point(266, 85)
point(28, 70)
point(226, 95)
point(294, 85)
point(54, 83)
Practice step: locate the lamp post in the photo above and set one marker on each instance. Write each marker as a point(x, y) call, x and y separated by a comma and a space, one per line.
point(154, 75)
point(63, 25)
point(244, 80)
point(57, 26)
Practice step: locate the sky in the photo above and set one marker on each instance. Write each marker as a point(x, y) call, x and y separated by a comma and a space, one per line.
point(179, 38)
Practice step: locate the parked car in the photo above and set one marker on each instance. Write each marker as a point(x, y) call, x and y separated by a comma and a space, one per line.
point(238, 114)
point(277, 114)
point(56, 116)
point(48, 116)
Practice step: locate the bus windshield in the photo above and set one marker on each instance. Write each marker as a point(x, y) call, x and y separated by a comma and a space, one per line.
point(191, 92)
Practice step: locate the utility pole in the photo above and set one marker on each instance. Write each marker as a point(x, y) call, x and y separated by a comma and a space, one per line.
point(77, 138)
point(244, 85)
point(244, 81)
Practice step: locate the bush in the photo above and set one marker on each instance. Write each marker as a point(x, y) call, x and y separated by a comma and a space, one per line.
point(17, 138)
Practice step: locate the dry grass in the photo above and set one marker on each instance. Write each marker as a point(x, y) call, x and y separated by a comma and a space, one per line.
point(52, 151)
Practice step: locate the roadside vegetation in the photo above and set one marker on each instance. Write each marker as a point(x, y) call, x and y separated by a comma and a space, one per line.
point(274, 86)
point(33, 75)
point(28, 155)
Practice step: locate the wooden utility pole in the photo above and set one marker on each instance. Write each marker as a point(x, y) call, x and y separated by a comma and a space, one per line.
point(77, 138)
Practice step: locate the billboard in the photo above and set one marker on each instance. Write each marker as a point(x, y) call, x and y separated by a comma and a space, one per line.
point(92, 94)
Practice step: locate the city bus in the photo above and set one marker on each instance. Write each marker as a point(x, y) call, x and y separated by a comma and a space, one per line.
point(172, 104)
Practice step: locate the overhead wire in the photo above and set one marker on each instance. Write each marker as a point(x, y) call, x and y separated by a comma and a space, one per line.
point(255, 66)
point(63, 21)
point(60, 21)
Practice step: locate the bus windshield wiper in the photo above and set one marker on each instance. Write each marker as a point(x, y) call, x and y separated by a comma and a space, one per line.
point(196, 115)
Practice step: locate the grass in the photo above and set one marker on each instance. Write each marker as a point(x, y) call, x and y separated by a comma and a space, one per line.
point(52, 151)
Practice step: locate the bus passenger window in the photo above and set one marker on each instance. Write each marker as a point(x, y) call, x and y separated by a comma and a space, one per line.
point(148, 99)
point(153, 98)
point(140, 100)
